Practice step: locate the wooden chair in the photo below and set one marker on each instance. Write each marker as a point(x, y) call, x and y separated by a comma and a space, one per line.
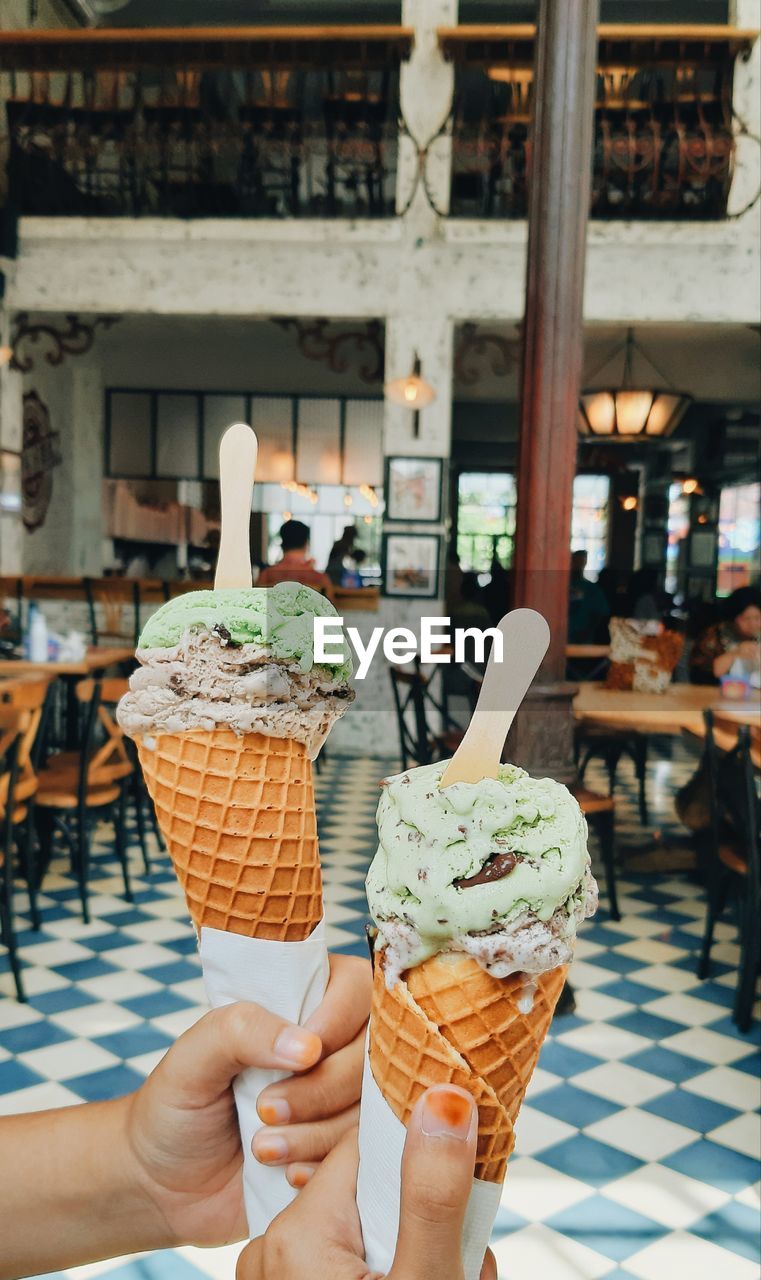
point(14, 724)
point(75, 786)
point(111, 692)
point(35, 697)
point(13, 587)
point(119, 601)
point(412, 699)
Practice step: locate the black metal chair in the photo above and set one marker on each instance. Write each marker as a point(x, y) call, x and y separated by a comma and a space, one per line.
point(119, 601)
point(413, 699)
point(14, 723)
point(730, 860)
point(611, 746)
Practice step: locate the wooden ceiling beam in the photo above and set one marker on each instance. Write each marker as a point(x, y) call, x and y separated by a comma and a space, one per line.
point(208, 48)
point(513, 43)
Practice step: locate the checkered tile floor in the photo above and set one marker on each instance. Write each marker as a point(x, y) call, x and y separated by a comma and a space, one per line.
point(637, 1152)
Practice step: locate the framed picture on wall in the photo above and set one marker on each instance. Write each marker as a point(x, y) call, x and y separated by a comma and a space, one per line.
point(410, 565)
point(412, 490)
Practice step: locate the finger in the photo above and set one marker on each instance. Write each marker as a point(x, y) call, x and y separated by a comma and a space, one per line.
point(250, 1266)
point(489, 1269)
point(437, 1175)
point(346, 1006)
point(299, 1174)
point(302, 1142)
point(332, 1086)
point(327, 1219)
point(207, 1057)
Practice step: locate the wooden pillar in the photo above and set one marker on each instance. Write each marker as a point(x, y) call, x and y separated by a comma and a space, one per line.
point(565, 76)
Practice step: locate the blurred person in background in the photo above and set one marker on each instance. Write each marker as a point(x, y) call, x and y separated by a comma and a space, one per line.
point(342, 548)
point(296, 564)
point(470, 610)
point(588, 611)
point(736, 637)
point(645, 602)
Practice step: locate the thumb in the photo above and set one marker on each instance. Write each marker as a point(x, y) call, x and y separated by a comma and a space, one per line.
point(437, 1175)
point(489, 1269)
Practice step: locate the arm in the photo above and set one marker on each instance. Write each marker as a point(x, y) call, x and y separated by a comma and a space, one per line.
point(68, 1193)
point(162, 1166)
point(723, 662)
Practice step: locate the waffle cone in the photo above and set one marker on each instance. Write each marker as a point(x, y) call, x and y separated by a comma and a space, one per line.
point(238, 816)
point(450, 1022)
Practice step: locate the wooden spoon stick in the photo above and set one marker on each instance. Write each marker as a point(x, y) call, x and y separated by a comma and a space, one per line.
point(525, 639)
point(237, 464)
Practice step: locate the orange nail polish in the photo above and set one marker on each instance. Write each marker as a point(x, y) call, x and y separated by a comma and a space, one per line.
point(270, 1148)
point(446, 1114)
point(273, 1110)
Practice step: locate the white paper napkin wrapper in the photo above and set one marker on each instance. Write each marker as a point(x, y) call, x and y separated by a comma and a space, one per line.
point(381, 1143)
point(289, 979)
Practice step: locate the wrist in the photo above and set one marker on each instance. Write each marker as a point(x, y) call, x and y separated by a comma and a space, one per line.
point(129, 1219)
point(144, 1191)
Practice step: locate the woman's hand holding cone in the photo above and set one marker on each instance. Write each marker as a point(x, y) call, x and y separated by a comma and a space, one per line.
point(320, 1235)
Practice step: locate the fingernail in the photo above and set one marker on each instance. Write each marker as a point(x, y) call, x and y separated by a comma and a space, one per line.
point(273, 1110)
point(270, 1148)
point(446, 1114)
point(297, 1047)
point(299, 1174)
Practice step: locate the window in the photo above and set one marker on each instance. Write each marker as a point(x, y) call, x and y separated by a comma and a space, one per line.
point(678, 531)
point(486, 503)
point(486, 509)
point(327, 518)
point(589, 523)
point(738, 537)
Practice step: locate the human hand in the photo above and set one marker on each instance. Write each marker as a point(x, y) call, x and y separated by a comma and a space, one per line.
point(320, 1234)
point(305, 1116)
point(182, 1127)
point(749, 651)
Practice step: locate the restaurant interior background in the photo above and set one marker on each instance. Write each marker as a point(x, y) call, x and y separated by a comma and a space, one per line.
point(325, 236)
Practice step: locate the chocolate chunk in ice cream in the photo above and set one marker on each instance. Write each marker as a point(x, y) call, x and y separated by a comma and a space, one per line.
point(497, 866)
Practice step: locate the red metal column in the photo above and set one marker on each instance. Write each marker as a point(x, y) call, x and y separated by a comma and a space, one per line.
point(565, 79)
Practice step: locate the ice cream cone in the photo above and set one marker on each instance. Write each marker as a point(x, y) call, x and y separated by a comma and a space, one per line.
point(238, 815)
point(448, 1021)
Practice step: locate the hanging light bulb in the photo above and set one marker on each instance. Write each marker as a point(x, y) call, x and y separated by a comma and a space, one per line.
point(412, 392)
point(287, 515)
point(629, 503)
point(348, 499)
point(691, 485)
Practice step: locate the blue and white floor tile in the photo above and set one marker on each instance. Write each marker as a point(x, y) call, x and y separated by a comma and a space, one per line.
point(637, 1150)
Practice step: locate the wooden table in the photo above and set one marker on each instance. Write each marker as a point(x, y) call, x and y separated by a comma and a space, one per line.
point(587, 650)
point(95, 660)
point(680, 708)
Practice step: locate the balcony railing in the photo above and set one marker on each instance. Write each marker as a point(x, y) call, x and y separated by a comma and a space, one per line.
point(305, 122)
point(247, 122)
point(664, 139)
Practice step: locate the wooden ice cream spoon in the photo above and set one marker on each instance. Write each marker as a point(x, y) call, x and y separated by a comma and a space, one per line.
point(237, 466)
point(525, 640)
